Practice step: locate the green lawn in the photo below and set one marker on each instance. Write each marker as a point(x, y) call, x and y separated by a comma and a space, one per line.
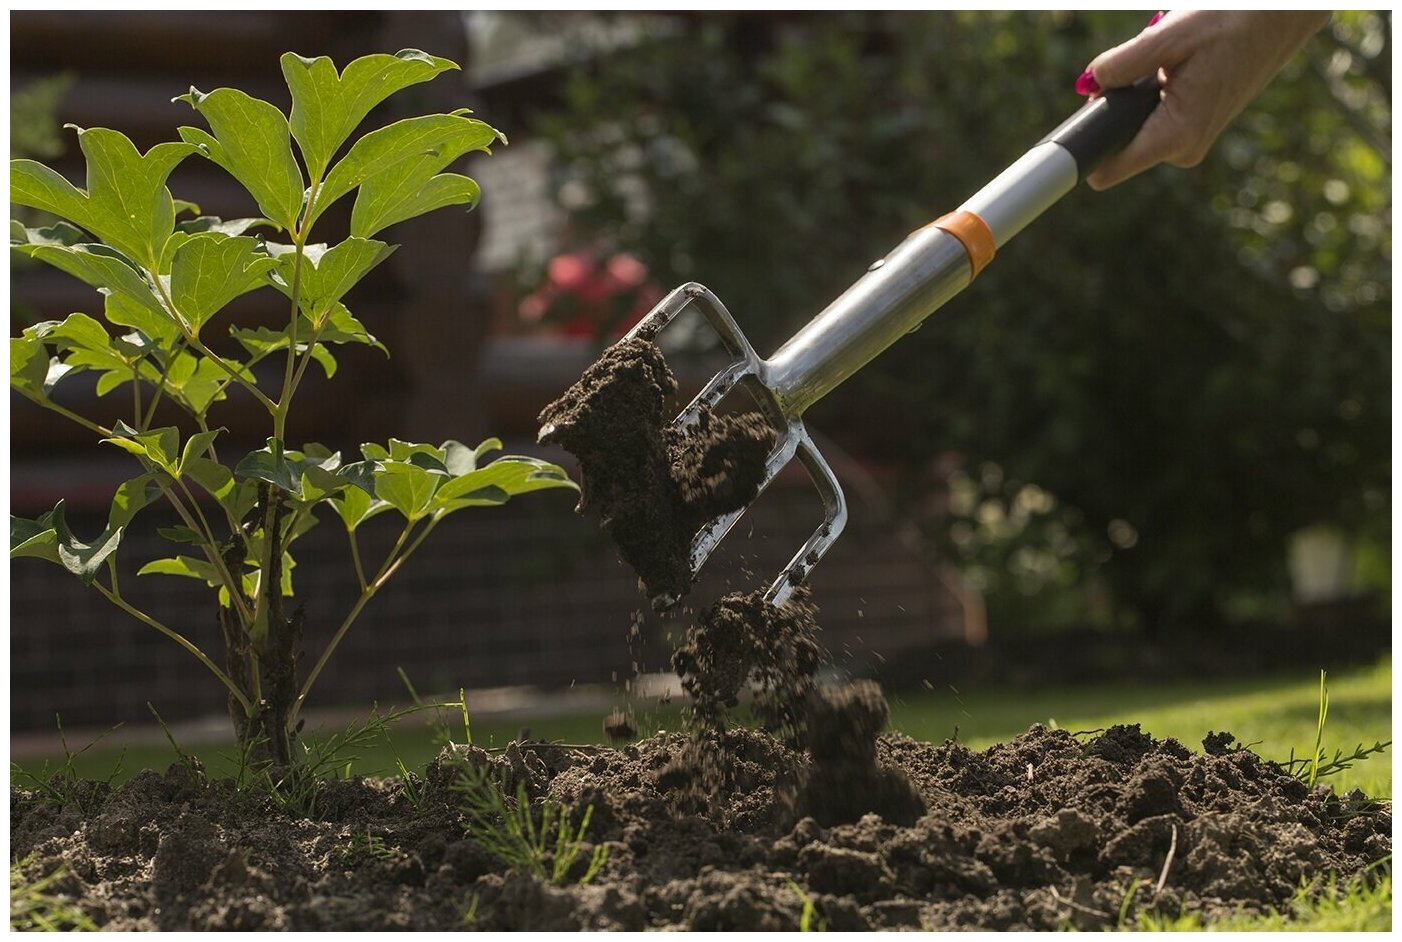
point(1274, 715)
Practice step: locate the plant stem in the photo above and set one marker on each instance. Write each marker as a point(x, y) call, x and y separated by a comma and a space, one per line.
point(387, 569)
point(161, 386)
point(285, 400)
point(355, 558)
point(136, 398)
point(289, 376)
point(181, 640)
point(68, 414)
point(211, 546)
point(302, 367)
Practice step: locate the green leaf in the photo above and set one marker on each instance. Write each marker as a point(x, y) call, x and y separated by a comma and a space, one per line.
point(101, 267)
point(35, 185)
point(355, 506)
point(126, 204)
point(60, 233)
point(361, 474)
point(292, 471)
point(217, 480)
point(157, 324)
point(271, 464)
point(129, 206)
point(180, 534)
point(325, 278)
point(460, 459)
point(384, 150)
point(340, 326)
point(89, 347)
point(327, 107)
point(134, 495)
point(160, 446)
point(318, 483)
point(49, 538)
point(36, 538)
point(29, 365)
point(211, 269)
point(198, 381)
point(263, 340)
point(410, 189)
point(78, 331)
point(186, 566)
point(252, 141)
point(407, 487)
point(513, 474)
point(326, 360)
point(195, 447)
point(85, 559)
point(228, 227)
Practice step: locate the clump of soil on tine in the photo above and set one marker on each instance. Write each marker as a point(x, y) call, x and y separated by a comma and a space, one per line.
point(653, 485)
point(1047, 831)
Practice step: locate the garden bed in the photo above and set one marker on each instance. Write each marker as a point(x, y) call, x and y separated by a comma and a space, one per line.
point(1047, 831)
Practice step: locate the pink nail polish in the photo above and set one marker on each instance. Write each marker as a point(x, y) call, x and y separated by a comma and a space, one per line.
point(1086, 84)
point(1156, 17)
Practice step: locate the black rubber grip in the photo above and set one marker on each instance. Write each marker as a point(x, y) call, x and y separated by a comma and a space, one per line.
point(1105, 124)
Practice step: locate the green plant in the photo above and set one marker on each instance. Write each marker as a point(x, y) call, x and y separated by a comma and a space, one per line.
point(509, 830)
point(166, 275)
point(1363, 904)
point(1312, 768)
point(808, 920)
point(34, 909)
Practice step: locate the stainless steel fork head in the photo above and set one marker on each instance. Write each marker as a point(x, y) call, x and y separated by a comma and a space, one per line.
point(749, 372)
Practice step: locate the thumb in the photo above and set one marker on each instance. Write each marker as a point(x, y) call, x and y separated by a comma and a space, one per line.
point(1143, 55)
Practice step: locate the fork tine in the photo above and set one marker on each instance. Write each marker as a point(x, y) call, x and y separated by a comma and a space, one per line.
point(749, 370)
point(834, 520)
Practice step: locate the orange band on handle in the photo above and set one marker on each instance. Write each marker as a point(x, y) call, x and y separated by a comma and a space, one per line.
point(977, 239)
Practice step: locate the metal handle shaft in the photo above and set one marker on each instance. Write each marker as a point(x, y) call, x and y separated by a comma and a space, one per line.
point(932, 264)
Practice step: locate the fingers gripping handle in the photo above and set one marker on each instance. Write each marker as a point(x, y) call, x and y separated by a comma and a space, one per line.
point(1105, 124)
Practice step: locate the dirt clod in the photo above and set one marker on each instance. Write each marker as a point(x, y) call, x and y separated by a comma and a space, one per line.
point(653, 485)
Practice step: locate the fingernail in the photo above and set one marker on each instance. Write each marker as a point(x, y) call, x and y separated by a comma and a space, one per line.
point(1086, 84)
point(1155, 18)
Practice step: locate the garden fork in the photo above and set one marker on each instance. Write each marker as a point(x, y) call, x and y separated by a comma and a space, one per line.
point(895, 295)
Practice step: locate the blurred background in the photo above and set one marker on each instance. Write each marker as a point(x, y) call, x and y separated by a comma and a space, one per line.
point(1152, 440)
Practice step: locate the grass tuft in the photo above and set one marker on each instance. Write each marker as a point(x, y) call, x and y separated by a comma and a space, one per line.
point(34, 909)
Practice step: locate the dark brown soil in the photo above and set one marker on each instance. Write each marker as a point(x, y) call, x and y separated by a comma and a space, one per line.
point(1050, 830)
point(741, 642)
point(653, 486)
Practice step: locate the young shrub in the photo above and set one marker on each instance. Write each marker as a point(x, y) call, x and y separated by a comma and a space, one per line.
point(165, 272)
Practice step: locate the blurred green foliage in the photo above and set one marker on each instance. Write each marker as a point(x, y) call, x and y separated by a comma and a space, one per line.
point(1184, 370)
point(34, 129)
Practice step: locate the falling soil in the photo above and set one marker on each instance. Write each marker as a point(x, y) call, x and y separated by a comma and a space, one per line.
point(1048, 831)
point(654, 485)
point(742, 642)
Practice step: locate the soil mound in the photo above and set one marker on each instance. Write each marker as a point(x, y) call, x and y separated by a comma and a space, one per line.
point(1048, 831)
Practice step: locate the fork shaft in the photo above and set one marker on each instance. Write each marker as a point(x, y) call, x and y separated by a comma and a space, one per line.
point(898, 292)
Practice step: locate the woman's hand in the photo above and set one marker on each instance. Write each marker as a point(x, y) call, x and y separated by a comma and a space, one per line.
point(1212, 63)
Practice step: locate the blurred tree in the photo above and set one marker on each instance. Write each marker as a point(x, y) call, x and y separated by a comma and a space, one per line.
point(1185, 369)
